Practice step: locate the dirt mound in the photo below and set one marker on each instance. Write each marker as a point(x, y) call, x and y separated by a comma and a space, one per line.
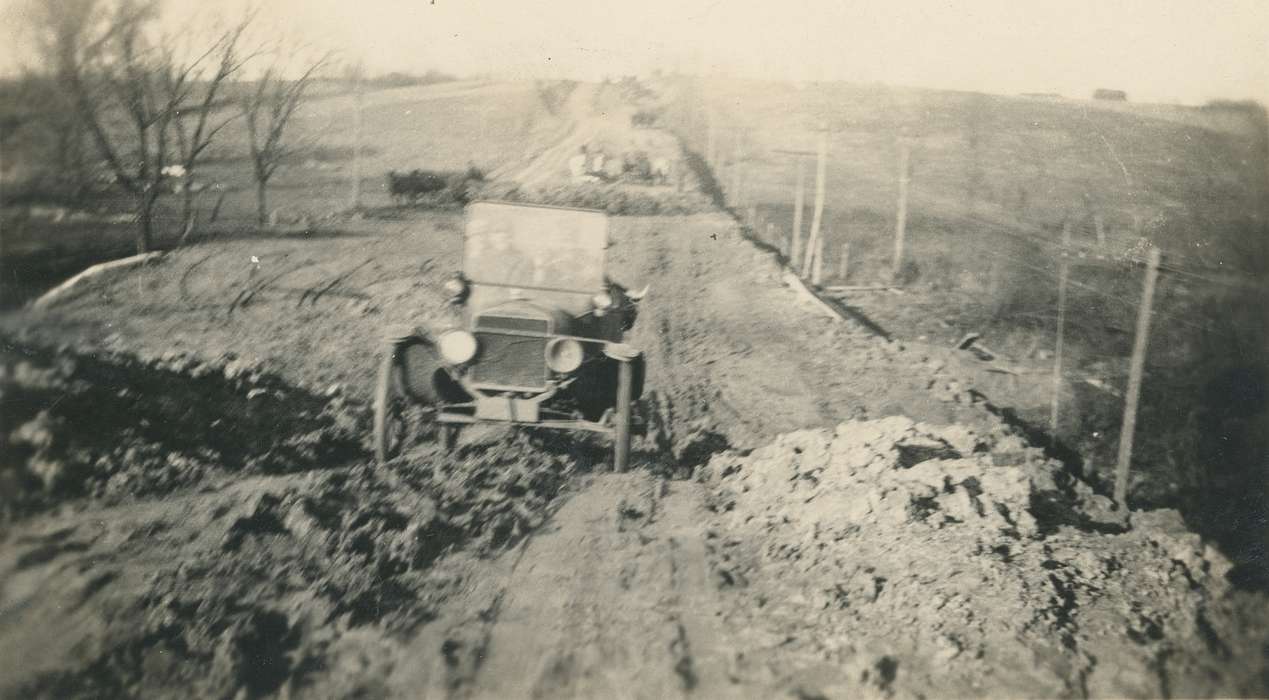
point(902, 558)
point(115, 426)
point(614, 198)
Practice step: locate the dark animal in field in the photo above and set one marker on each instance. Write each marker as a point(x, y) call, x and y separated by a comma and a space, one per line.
point(410, 187)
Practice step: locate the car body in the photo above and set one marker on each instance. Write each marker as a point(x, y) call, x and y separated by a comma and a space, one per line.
point(540, 341)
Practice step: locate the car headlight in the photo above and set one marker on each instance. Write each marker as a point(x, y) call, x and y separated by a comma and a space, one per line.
point(563, 355)
point(457, 346)
point(602, 302)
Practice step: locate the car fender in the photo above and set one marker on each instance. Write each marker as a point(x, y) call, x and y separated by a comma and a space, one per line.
point(621, 352)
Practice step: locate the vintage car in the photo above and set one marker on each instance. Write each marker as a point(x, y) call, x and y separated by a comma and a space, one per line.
point(539, 343)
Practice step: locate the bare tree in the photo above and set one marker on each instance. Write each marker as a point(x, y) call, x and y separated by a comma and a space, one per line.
point(44, 107)
point(114, 73)
point(267, 109)
point(128, 88)
point(194, 87)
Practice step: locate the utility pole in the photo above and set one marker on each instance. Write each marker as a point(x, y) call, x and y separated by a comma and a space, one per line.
point(1064, 271)
point(901, 216)
point(1134, 379)
point(821, 168)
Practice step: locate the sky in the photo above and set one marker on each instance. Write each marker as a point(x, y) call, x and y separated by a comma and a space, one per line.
point(1156, 50)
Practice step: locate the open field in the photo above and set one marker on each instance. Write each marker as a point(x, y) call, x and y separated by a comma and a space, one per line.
point(191, 506)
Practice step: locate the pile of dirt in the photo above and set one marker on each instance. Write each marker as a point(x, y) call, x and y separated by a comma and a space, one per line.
point(894, 557)
point(113, 425)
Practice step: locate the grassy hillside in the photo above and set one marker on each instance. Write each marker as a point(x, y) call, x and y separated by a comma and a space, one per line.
point(1194, 178)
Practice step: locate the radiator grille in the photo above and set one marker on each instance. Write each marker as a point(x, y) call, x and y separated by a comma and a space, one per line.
point(510, 360)
point(512, 323)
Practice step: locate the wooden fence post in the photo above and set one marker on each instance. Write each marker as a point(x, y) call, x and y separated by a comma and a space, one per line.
point(844, 263)
point(1134, 380)
point(821, 169)
point(735, 170)
point(799, 203)
point(901, 216)
point(1100, 224)
point(1064, 271)
point(817, 272)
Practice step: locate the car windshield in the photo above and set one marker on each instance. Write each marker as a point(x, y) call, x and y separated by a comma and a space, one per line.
point(541, 247)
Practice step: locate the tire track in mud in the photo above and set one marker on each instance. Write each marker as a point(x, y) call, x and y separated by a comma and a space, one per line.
point(245, 296)
point(608, 600)
point(613, 597)
point(183, 283)
point(315, 292)
point(330, 285)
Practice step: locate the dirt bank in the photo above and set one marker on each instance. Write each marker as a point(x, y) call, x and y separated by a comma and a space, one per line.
point(898, 558)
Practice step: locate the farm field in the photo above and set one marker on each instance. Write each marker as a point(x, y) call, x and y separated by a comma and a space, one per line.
point(192, 506)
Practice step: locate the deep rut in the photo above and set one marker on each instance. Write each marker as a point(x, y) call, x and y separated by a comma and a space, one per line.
point(613, 598)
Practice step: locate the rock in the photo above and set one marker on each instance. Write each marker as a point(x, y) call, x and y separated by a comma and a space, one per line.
point(946, 648)
point(37, 432)
point(51, 472)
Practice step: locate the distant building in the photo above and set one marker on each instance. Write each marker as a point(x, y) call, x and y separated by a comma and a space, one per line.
point(1113, 95)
